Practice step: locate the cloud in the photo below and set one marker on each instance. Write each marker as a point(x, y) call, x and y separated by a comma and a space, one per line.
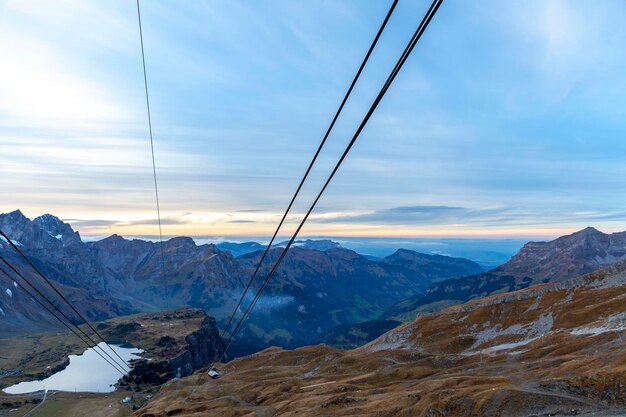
point(148, 222)
point(459, 216)
point(45, 85)
point(77, 223)
point(514, 117)
point(421, 214)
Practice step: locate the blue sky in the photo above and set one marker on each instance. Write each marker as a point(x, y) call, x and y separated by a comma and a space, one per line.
point(507, 121)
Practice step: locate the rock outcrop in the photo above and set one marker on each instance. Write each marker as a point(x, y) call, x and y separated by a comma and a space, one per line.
point(202, 348)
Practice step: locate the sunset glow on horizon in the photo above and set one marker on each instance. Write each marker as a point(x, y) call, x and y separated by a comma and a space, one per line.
point(518, 136)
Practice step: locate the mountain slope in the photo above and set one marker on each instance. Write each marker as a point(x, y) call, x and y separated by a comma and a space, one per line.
point(350, 336)
point(454, 291)
point(549, 350)
point(559, 260)
point(567, 257)
point(434, 267)
point(314, 291)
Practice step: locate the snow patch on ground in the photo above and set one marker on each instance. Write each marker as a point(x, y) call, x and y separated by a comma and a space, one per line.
point(491, 333)
point(528, 332)
point(312, 372)
point(59, 237)
point(614, 323)
point(507, 346)
point(535, 305)
point(15, 242)
point(15, 284)
point(2, 312)
point(9, 293)
point(461, 319)
point(594, 331)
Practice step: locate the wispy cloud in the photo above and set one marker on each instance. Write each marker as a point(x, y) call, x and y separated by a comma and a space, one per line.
point(509, 119)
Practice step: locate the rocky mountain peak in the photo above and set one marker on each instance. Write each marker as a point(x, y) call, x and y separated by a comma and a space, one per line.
point(181, 241)
point(114, 240)
point(584, 236)
point(14, 220)
point(404, 254)
point(589, 230)
point(16, 215)
point(568, 256)
point(320, 245)
point(58, 229)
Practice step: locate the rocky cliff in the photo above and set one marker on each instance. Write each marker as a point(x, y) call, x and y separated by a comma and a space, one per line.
point(202, 348)
point(173, 342)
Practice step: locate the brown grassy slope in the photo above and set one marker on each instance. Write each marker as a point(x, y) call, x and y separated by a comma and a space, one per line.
point(554, 349)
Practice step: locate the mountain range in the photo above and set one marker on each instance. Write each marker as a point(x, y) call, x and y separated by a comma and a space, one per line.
point(319, 286)
point(238, 249)
point(321, 292)
point(540, 335)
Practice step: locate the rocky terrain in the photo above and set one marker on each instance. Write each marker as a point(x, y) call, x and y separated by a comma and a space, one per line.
point(553, 349)
point(350, 336)
point(319, 286)
point(185, 340)
point(537, 262)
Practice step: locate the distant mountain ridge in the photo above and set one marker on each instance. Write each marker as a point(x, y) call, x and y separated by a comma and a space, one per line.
point(237, 249)
point(319, 286)
point(559, 260)
point(433, 265)
point(243, 248)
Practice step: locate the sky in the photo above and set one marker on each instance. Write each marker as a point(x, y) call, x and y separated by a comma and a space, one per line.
point(507, 121)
